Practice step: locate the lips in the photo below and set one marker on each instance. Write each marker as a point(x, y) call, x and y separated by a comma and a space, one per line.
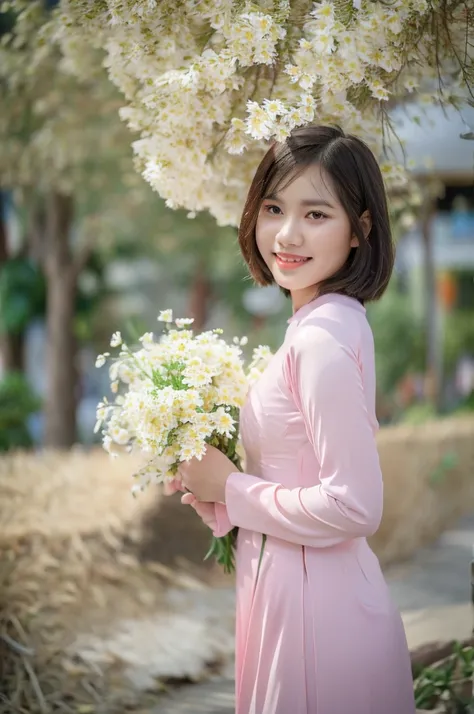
point(289, 261)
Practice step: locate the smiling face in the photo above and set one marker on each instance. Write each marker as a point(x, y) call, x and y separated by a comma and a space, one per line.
point(330, 212)
point(304, 234)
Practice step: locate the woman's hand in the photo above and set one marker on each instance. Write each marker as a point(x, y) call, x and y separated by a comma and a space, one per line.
point(205, 510)
point(206, 479)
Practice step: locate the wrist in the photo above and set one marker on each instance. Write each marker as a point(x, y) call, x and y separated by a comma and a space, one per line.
point(223, 488)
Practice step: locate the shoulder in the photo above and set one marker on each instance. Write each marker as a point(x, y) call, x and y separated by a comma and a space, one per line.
point(332, 328)
point(331, 354)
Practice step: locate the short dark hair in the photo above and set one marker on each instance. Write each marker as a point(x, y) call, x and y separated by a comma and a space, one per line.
point(358, 181)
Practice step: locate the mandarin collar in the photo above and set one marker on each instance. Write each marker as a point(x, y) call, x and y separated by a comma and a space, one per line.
point(306, 309)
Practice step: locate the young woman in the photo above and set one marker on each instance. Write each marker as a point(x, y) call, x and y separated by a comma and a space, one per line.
point(317, 632)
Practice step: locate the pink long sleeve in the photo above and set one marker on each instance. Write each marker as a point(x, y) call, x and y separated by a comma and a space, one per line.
point(223, 524)
point(323, 374)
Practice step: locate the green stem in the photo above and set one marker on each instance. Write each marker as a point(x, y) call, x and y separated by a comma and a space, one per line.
point(264, 540)
point(223, 550)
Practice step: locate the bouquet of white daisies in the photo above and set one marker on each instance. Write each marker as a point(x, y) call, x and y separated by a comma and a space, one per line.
point(175, 395)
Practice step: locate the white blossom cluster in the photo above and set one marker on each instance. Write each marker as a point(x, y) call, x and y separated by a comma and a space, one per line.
point(209, 83)
point(174, 396)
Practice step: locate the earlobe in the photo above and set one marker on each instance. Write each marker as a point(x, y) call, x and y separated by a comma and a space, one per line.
point(366, 223)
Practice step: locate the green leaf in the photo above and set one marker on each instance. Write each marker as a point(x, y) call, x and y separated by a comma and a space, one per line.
point(22, 294)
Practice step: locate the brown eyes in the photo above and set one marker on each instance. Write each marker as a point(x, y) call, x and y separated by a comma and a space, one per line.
point(270, 210)
point(276, 211)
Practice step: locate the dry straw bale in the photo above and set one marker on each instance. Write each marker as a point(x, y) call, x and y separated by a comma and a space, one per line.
point(68, 565)
point(77, 492)
point(49, 590)
point(428, 481)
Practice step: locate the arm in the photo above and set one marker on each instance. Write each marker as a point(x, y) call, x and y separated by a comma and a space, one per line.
point(325, 379)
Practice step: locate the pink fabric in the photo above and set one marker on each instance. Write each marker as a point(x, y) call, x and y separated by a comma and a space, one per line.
point(317, 633)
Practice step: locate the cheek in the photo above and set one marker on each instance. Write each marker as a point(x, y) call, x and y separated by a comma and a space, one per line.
point(334, 241)
point(330, 250)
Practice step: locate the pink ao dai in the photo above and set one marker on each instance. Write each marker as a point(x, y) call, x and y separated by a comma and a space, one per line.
point(317, 632)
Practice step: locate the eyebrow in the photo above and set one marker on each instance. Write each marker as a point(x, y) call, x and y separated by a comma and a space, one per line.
point(303, 202)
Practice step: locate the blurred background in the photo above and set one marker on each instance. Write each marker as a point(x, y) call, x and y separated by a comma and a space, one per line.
point(137, 257)
point(144, 257)
point(105, 601)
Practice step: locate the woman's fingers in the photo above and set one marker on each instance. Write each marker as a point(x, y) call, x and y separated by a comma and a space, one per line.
point(173, 486)
point(205, 510)
point(207, 513)
point(188, 499)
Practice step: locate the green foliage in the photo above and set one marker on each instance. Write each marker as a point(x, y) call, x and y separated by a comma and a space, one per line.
point(91, 291)
point(17, 403)
point(422, 412)
point(466, 406)
point(448, 682)
point(458, 337)
point(22, 294)
point(419, 413)
point(399, 343)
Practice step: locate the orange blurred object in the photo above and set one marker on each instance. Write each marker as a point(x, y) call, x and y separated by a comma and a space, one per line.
point(447, 290)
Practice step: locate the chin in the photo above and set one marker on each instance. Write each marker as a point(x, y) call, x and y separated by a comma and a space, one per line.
point(293, 284)
point(285, 284)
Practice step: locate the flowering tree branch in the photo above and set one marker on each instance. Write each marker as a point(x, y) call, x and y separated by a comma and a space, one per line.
point(209, 84)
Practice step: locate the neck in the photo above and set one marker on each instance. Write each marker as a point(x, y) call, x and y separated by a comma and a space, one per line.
point(299, 298)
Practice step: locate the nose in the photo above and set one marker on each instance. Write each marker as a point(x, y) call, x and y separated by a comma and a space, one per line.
point(289, 233)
